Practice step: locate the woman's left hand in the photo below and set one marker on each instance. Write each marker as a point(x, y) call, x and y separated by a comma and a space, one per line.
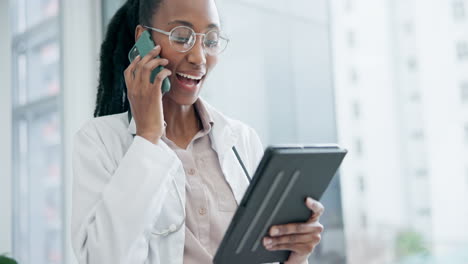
point(300, 238)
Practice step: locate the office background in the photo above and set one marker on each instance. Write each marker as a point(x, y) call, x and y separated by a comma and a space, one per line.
point(387, 79)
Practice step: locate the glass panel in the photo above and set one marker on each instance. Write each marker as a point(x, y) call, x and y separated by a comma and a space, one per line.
point(39, 216)
point(29, 13)
point(22, 193)
point(20, 22)
point(40, 10)
point(37, 192)
point(45, 197)
point(22, 79)
point(43, 70)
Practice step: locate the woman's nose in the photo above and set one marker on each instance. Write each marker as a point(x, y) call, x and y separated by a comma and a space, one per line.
point(197, 54)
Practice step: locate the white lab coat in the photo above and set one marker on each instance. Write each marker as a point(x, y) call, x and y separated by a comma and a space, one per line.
point(123, 188)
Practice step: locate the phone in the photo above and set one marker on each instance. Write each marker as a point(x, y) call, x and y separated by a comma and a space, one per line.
point(144, 45)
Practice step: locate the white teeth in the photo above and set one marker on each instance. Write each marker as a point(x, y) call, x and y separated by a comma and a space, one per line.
point(189, 76)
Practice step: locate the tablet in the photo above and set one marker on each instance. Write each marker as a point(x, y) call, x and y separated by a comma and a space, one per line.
point(285, 176)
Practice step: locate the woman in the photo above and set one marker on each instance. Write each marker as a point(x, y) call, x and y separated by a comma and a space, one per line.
point(161, 185)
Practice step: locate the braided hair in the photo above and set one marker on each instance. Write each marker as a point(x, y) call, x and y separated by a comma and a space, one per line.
point(120, 37)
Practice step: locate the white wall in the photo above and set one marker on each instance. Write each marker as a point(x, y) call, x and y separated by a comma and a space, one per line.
point(5, 130)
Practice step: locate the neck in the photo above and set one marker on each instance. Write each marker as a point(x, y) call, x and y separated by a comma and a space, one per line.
point(182, 120)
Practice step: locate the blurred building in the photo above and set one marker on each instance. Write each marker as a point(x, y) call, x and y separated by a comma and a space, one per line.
point(401, 83)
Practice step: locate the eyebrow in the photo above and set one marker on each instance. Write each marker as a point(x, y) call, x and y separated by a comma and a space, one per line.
point(188, 24)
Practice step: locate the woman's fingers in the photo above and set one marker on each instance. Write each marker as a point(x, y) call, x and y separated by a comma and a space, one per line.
point(316, 207)
point(299, 248)
point(300, 238)
point(142, 63)
point(150, 55)
point(129, 73)
point(295, 228)
point(163, 74)
point(269, 242)
point(148, 69)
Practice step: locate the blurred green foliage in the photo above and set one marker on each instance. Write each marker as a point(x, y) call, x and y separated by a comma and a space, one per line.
point(7, 260)
point(410, 243)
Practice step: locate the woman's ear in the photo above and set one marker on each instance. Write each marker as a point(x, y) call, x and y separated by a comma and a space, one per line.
point(138, 31)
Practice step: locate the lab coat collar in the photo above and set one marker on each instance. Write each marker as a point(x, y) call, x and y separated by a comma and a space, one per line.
point(222, 135)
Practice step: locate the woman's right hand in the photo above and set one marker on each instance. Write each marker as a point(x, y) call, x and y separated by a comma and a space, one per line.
point(145, 97)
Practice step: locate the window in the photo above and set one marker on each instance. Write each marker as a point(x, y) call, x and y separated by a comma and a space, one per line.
point(364, 220)
point(356, 110)
point(412, 64)
point(358, 147)
point(349, 5)
point(353, 75)
point(458, 7)
point(464, 92)
point(462, 50)
point(415, 96)
point(351, 38)
point(425, 212)
point(466, 133)
point(361, 183)
point(37, 132)
point(467, 176)
point(421, 173)
point(408, 27)
point(417, 135)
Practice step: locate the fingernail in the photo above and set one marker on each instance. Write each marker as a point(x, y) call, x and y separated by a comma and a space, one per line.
point(157, 46)
point(268, 241)
point(309, 201)
point(274, 231)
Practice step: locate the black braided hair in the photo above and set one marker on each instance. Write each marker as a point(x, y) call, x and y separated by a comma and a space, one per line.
point(120, 37)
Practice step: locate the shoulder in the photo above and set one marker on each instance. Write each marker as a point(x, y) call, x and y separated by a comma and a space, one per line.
point(104, 130)
point(105, 125)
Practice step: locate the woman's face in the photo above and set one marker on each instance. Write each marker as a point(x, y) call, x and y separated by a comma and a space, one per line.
point(201, 16)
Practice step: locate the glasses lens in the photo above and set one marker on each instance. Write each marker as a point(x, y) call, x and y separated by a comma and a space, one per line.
point(182, 38)
point(214, 43)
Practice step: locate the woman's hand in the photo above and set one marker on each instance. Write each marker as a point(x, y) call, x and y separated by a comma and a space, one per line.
point(145, 97)
point(300, 238)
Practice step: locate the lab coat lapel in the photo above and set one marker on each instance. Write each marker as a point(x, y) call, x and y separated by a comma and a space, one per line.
point(223, 138)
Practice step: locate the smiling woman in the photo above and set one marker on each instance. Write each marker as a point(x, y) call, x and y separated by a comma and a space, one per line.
point(162, 184)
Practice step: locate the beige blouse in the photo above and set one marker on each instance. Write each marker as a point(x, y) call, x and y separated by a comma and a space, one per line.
point(210, 203)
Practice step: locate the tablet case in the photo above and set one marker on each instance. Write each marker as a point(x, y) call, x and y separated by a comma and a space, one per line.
point(284, 178)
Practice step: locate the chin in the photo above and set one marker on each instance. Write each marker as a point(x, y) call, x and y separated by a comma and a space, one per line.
point(180, 99)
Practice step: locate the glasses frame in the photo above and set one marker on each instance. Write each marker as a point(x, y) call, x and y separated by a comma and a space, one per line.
point(169, 33)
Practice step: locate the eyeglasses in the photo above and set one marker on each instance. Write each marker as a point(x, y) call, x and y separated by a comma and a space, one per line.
point(183, 38)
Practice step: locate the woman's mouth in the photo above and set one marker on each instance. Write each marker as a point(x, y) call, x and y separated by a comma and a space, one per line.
point(189, 81)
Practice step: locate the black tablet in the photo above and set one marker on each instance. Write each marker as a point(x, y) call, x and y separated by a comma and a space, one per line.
point(284, 178)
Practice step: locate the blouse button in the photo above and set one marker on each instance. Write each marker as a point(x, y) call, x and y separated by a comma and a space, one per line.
point(191, 171)
point(202, 211)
